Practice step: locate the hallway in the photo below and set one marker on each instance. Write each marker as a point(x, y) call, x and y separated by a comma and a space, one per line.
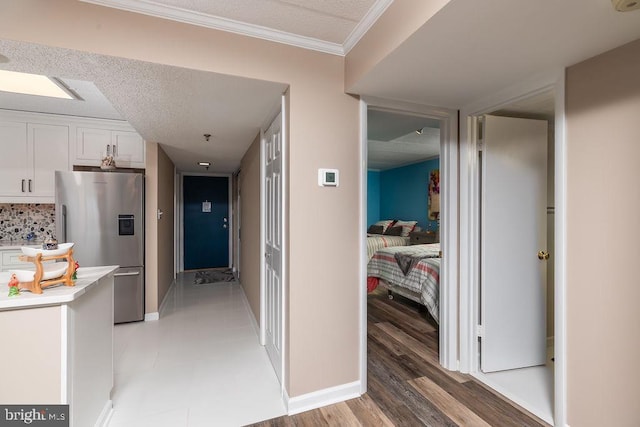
point(201, 364)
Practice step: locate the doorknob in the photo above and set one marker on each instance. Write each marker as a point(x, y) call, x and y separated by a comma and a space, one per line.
point(543, 255)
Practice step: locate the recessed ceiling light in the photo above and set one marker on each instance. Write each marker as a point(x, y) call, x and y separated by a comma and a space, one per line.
point(207, 164)
point(32, 84)
point(625, 5)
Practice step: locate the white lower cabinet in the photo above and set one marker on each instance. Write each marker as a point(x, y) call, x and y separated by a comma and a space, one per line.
point(10, 260)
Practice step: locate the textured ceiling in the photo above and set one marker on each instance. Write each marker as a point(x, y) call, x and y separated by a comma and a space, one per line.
point(169, 105)
point(472, 49)
point(332, 26)
point(467, 51)
point(393, 141)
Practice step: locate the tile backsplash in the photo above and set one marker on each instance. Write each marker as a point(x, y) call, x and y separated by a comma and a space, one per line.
point(18, 220)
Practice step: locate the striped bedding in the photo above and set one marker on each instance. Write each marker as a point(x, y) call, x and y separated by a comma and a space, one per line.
point(377, 241)
point(423, 279)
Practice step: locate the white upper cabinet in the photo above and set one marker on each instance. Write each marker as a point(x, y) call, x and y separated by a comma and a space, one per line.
point(14, 160)
point(50, 144)
point(129, 148)
point(31, 153)
point(93, 144)
point(35, 145)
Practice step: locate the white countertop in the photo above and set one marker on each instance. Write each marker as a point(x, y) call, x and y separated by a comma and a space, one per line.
point(55, 295)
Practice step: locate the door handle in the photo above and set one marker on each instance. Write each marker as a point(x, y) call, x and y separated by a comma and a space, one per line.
point(131, 273)
point(108, 150)
point(113, 148)
point(23, 185)
point(543, 255)
point(30, 186)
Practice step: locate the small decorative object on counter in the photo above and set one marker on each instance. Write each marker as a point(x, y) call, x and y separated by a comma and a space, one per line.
point(108, 163)
point(74, 276)
point(14, 290)
point(50, 244)
point(31, 236)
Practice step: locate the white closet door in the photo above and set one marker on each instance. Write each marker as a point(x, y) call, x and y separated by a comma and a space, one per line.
point(274, 244)
point(513, 278)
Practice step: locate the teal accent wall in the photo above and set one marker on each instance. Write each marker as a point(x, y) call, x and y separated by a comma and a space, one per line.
point(401, 193)
point(373, 197)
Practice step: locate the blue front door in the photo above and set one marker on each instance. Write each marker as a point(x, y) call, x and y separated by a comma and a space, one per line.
point(206, 222)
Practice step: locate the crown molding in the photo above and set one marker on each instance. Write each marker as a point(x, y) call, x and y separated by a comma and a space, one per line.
point(151, 8)
point(365, 24)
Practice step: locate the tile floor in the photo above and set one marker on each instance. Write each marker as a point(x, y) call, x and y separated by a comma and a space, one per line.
point(200, 365)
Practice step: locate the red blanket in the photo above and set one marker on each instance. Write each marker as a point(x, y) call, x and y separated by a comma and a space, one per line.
point(372, 283)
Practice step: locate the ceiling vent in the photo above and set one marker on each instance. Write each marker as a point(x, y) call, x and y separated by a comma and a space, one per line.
point(626, 5)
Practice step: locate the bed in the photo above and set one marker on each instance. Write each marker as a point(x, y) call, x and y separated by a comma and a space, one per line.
point(410, 271)
point(388, 233)
point(378, 241)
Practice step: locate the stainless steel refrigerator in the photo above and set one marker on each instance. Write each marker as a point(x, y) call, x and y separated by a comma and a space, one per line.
point(102, 213)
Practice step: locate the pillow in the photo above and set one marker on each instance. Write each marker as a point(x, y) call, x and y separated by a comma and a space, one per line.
point(375, 229)
point(407, 226)
point(385, 224)
point(394, 231)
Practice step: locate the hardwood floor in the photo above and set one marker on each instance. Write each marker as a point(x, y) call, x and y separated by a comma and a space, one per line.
point(406, 385)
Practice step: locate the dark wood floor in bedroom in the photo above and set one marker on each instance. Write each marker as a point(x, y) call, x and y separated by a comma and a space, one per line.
point(406, 385)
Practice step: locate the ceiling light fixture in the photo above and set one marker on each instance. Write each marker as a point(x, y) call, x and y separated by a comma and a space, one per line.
point(419, 131)
point(625, 5)
point(205, 164)
point(33, 84)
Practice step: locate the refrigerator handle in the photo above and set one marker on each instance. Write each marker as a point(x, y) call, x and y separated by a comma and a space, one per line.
point(131, 273)
point(64, 223)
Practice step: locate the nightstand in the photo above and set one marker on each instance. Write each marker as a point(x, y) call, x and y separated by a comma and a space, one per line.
point(422, 237)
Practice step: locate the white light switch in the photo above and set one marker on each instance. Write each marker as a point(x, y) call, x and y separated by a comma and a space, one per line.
point(328, 177)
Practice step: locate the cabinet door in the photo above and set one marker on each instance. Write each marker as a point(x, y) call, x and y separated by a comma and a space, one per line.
point(14, 159)
point(92, 144)
point(129, 148)
point(50, 153)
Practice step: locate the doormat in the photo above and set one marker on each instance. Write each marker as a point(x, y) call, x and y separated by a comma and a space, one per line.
point(214, 276)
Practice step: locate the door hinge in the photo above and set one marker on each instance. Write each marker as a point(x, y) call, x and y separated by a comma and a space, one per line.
point(480, 145)
point(480, 331)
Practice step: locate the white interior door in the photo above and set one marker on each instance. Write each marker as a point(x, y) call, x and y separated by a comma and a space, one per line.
point(273, 243)
point(513, 278)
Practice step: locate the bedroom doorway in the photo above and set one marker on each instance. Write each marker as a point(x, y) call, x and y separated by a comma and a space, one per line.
point(409, 196)
point(514, 301)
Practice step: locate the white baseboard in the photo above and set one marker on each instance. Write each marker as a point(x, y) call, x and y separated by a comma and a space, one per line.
point(105, 415)
point(320, 398)
point(166, 298)
point(254, 322)
point(149, 317)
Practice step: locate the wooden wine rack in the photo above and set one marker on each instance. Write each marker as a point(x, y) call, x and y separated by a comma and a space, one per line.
point(38, 284)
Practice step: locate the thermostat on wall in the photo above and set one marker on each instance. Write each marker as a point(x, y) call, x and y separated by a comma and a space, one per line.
point(328, 177)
